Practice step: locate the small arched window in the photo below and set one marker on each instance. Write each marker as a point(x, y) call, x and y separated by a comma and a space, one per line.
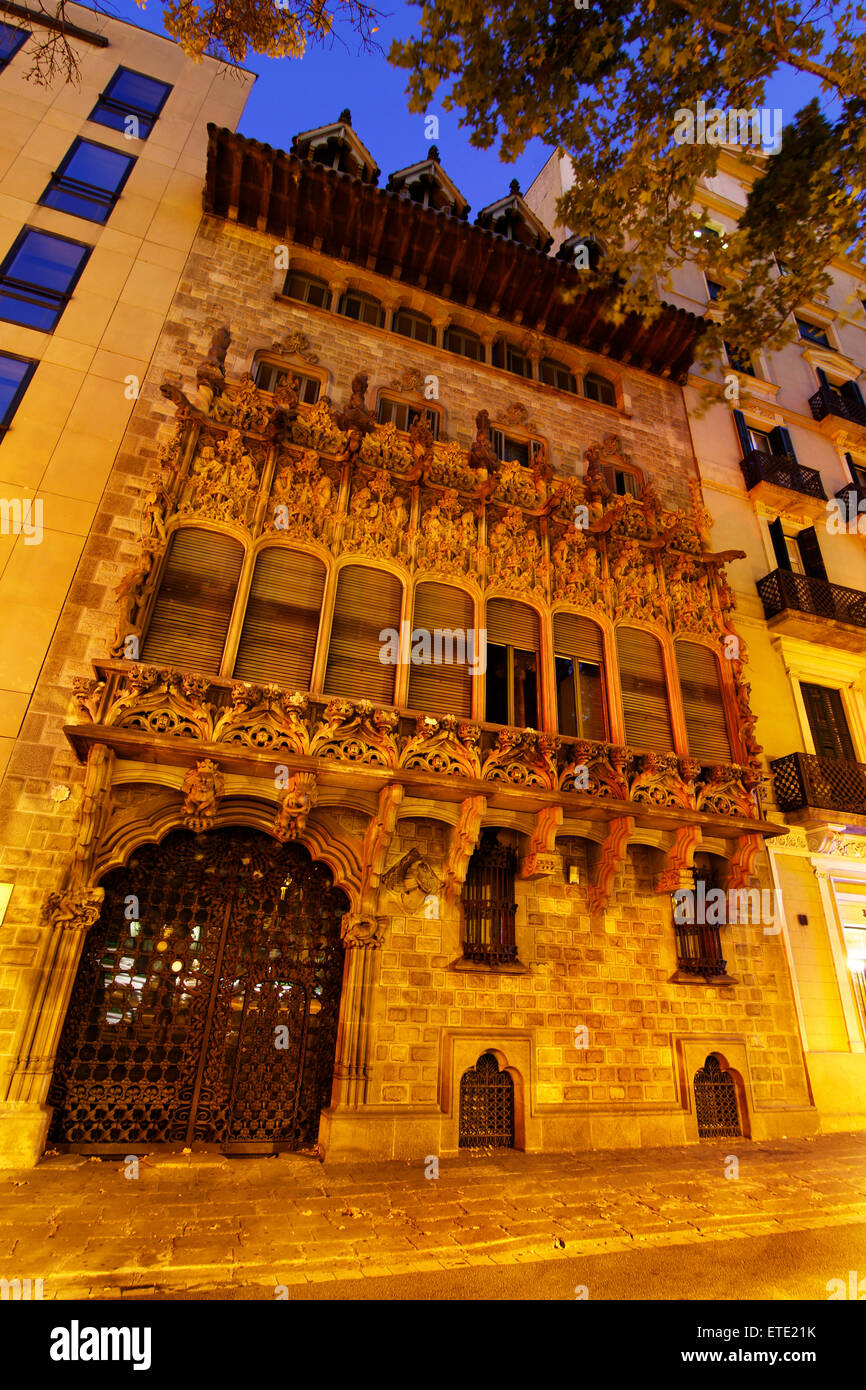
point(410, 324)
point(464, 342)
point(368, 602)
point(703, 704)
point(403, 414)
point(281, 622)
point(511, 359)
point(598, 388)
point(579, 656)
point(268, 375)
point(443, 632)
point(193, 608)
point(354, 304)
point(644, 691)
point(556, 374)
point(309, 289)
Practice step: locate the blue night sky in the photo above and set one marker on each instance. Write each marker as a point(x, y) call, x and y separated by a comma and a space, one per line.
point(299, 94)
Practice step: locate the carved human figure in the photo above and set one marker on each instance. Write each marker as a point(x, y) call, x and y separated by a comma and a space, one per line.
point(131, 593)
point(482, 456)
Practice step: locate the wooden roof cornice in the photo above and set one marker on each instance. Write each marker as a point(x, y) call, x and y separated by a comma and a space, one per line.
point(336, 214)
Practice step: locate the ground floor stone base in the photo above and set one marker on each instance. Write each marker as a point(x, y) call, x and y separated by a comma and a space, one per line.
point(838, 1081)
point(23, 1133)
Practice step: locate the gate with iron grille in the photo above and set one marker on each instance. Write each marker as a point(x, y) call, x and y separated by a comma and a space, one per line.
point(716, 1106)
point(206, 1003)
point(486, 1106)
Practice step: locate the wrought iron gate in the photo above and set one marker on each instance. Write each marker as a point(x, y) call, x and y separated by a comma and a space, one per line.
point(716, 1106)
point(486, 1106)
point(206, 1003)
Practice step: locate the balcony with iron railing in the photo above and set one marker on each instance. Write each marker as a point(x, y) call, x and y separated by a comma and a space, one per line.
point(805, 782)
point(830, 405)
point(783, 483)
point(800, 605)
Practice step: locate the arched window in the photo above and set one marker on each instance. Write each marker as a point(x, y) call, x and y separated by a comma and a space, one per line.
point(598, 388)
point(363, 307)
point(410, 324)
point(309, 289)
point(557, 374)
point(193, 608)
point(464, 342)
point(512, 664)
point(703, 704)
point(511, 359)
point(579, 656)
point(281, 622)
point(644, 691)
point(268, 375)
point(443, 618)
point(368, 601)
point(402, 414)
point(490, 901)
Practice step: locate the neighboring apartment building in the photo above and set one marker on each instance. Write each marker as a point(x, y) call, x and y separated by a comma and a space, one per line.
point(783, 474)
point(414, 713)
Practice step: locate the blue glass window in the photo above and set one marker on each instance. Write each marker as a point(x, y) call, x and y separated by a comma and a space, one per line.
point(37, 278)
point(11, 39)
point(15, 374)
point(89, 181)
point(131, 102)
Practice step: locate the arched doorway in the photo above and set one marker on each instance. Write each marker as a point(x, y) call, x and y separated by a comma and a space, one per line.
point(206, 1003)
point(486, 1106)
point(716, 1107)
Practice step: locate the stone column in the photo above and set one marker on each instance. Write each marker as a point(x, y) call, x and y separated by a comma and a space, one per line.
point(362, 936)
point(24, 1116)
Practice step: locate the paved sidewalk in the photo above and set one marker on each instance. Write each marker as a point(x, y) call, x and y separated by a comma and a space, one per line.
point(201, 1221)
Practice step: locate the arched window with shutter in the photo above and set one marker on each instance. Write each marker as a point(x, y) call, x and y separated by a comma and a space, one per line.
point(368, 601)
point(579, 657)
point(703, 703)
point(644, 691)
point(193, 609)
point(513, 647)
point(444, 686)
point(281, 622)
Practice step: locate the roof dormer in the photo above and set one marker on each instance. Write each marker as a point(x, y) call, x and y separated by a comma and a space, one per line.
point(512, 218)
point(428, 185)
point(337, 147)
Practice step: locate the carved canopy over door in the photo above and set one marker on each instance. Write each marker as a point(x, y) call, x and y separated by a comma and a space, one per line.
point(207, 998)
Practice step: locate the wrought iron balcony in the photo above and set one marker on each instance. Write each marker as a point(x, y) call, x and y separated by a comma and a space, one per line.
point(828, 401)
point(802, 780)
point(853, 491)
point(782, 590)
point(780, 470)
point(699, 949)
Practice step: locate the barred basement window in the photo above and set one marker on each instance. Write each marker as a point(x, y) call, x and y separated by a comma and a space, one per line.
point(368, 601)
point(268, 376)
point(489, 901)
point(193, 608)
point(281, 623)
point(699, 943)
point(308, 289)
point(644, 691)
point(703, 703)
point(403, 415)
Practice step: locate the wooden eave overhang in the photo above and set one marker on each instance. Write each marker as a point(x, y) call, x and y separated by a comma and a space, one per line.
point(300, 201)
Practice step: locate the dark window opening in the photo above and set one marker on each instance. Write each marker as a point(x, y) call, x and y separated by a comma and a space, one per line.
point(308, 289)
point(556, 374)
point(511, 450)
point(827, 722)
point(489, 901)
point(403, 415)
point(417, 326)
point(15, 374)
point(268, 376)
point(131, 102)
point(599, 389)
point(11, 39)
point(714, 291)
point(811, 333)
point(464, 343)
point(37, 278)
point(89, 181)
point(362, 307)
point(580, 698)
point(740, 361)
point(511, 359)
point(512, 686)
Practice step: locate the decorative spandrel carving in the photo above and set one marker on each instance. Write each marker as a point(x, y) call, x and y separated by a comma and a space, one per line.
point(519, 486)
point(516, 557)
point(450, 468)
point(410, 382)
point(448, 535)
point(378, 518)
point(596, 769)
point(411, 880)
point(163, 702)
point(317, 428)
point(447, 746)
point(224, 480)
point(635, 589)
point(657, 781)
point(690, 596)
point(265, 717)
point(296, 345)
point(357, 733)
point(577, 569)
point(387, 448)
point(303, 497)
point(524, 758)
point(245, 409)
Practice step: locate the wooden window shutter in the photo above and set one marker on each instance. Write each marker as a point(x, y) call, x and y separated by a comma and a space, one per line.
point(703, 705)
point(368, 600)
point(281, 623)
point(780, 545)
point(644, 692)
point(444, 688)
point(810, 550)
point(577, 637)
point(193, 608)
point(511, 624)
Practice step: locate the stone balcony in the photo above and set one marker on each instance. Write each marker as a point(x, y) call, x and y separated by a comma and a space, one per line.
point(799, 605)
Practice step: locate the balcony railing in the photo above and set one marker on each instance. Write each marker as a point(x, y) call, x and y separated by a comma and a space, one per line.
point(802, 780)
point(827, 401)
point(699, 949)
point(783, 471)
point(782, 589)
